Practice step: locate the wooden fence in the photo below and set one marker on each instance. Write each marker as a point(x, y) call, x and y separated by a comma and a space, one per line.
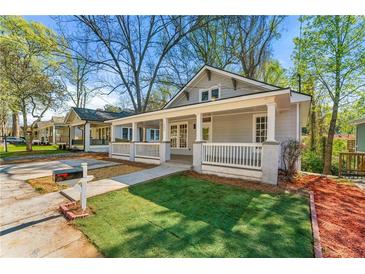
point(351, 164)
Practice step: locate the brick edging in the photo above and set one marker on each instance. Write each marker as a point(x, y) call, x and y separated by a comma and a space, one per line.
point(317, 248)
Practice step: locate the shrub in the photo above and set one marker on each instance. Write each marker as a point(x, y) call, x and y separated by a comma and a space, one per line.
point(311, 161)
point(291, 150)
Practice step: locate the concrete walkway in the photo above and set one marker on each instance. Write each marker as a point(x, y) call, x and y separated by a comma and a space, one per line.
point(122, 181)
point(30, 225)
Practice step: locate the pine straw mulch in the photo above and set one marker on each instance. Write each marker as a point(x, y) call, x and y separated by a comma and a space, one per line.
point(340, 208)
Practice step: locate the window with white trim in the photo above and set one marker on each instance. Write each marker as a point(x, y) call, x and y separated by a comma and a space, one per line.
point(260, 128)
point(210, 94)
point(153, 134)
point(127, 133)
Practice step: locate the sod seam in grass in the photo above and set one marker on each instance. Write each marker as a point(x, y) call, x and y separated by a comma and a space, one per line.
point(181, 216)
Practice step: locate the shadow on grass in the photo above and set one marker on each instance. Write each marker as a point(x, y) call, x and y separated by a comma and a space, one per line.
point(180, 216)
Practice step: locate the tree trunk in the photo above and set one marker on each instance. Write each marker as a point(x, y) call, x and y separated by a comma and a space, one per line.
point(25, 129)
point(329, 144)
point(15, 124)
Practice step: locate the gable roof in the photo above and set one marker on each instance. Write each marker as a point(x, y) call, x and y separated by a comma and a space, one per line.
point(225, 73)
point(87, 114)
point(57, 119)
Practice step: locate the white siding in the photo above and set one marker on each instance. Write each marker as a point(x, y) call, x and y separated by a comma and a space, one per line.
point(286, 124)
point(239, 127)
point(224, 82)
point(232, 128)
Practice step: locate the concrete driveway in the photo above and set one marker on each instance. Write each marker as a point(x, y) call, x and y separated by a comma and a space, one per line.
point(30, 223)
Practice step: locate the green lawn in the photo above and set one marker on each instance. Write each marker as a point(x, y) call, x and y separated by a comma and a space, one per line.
point(181, 216)
point(20, 150)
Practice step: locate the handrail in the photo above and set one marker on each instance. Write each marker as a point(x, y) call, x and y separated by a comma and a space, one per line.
point(240, 155)
point(147, 150)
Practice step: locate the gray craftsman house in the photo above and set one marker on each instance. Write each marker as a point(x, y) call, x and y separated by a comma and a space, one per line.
point(220, 123)
point(88, 129)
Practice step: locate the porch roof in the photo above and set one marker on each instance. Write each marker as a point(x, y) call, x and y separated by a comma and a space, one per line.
point(98, 115)
point(237, 102)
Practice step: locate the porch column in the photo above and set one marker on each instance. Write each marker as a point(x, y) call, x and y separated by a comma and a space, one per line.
point(134, 132)
point(112, 137)
point(71, 135)
point(53, 134)
point(165, 149)
point(199, 127)
point(271, 115)
point(87, 137)
point(270, 162)
point(143, 134)
point(198, 144)
point(165, 128)
point(132, 150)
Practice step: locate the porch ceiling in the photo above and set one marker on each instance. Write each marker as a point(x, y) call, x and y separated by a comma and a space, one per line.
point(254, 100)
point(283, 99)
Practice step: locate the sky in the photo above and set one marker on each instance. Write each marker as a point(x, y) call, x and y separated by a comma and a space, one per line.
point(282, 50)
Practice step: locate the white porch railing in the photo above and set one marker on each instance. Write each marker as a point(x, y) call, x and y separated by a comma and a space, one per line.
point(147, 150)
point(243, 155)
point(120, 149)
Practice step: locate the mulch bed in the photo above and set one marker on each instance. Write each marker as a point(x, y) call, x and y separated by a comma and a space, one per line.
point(341, 215)
point(340, 208)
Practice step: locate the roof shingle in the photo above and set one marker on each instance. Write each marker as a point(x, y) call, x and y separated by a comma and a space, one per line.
point(99, 115)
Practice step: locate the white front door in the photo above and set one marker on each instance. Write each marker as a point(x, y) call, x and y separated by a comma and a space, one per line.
point(179, 135)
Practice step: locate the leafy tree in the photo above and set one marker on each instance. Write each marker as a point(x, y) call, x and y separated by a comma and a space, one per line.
point(112, 108)
point(159, 98)
point(273, 73)
point(333, 49)
point(28, 66)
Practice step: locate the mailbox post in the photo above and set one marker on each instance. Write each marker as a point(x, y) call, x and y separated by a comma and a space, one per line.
point(83, 186)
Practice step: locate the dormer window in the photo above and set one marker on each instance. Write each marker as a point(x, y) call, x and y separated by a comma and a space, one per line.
point(210, 94)
point(214, 94)
point(204, 95)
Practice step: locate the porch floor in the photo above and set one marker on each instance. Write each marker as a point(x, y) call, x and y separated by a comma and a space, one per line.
point(181, 159)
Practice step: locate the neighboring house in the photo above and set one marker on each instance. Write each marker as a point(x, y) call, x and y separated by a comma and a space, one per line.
point(53, 131)
point(88, 130)
point(360, 134)
point(221, 123)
